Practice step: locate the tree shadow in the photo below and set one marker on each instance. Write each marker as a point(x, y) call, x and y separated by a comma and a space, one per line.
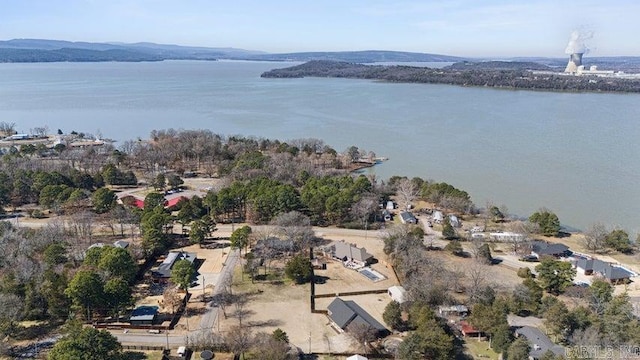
point(134, 355)
point(263, 323)
point(198, 311)
point(319, 279)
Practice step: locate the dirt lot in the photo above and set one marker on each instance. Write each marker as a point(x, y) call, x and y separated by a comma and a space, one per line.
point(285, 306)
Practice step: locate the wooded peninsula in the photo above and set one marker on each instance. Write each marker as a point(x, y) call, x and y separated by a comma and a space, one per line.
point(496, 74)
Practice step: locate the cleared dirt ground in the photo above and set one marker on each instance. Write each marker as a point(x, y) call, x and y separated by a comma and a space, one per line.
point(285, 306)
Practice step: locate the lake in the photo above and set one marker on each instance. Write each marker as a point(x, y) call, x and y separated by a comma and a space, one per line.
point(574, 153)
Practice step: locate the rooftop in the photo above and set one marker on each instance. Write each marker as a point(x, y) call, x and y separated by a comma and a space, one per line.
point(344, 313)
point(164, 269)
point(540, 343)
point(144, 313)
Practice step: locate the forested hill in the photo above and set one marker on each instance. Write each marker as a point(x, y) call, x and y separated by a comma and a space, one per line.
point(42, 50)
point(366, 56)
point(519, 77)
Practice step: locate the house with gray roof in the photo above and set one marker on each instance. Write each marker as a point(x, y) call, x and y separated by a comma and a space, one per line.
point(607, 271)
point(539, 342)
point(345, 313)
point(541, 248)
point(345, 251)
point(407, 217)
point(163, 272)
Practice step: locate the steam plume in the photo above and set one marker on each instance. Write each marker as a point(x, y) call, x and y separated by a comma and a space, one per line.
point(577, 42)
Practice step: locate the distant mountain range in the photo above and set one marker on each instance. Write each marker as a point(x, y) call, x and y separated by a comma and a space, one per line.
point(38, 50)
point(42, 50)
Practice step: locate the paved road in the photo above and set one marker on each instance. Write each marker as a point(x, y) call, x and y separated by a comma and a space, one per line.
point(209, 319)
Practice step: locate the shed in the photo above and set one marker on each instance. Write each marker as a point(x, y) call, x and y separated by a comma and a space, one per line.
point(438, 217)
point(398, 294)
point(143, 315)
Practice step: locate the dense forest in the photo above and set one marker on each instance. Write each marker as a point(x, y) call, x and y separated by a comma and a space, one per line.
point(498, 75)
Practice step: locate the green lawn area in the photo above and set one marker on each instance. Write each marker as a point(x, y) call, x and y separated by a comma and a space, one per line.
point(480, 349)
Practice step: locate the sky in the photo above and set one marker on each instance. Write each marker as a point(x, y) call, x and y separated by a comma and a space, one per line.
point(473, 28)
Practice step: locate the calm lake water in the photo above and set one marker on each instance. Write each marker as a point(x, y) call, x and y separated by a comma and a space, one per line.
point(576, 154)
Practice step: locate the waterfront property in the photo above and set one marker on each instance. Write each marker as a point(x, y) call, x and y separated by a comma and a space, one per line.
point(607, 271)
point(541, 248)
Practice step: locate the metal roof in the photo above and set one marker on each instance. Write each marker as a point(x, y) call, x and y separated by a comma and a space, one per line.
point(144, 313)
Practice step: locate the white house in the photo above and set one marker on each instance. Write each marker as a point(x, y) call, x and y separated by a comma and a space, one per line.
point(438, 217)
point(454, 221)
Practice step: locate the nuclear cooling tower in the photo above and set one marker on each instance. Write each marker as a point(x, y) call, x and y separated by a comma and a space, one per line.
point(575, 60)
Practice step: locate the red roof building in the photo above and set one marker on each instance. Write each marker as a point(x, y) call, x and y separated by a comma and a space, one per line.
point(467, 330)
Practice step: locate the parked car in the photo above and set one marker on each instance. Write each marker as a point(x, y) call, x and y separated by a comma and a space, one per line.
point(529, 258)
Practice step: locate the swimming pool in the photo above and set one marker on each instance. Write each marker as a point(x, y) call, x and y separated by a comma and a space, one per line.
point(372, 274)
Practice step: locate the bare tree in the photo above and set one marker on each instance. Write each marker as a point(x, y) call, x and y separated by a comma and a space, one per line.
point(407, 192)
point(239, 340)
point(270, 348)
point(81, 223)
point(7, 129)
point(594, 237)
point(171, 299)
point(10, 308)
point(363, 334)
point(295, 226)
point(241, 311)
point(364, 207)
point(476, 280)
point(522, 231)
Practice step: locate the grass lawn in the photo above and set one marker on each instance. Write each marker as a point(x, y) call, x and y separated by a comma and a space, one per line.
point(480, 349)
